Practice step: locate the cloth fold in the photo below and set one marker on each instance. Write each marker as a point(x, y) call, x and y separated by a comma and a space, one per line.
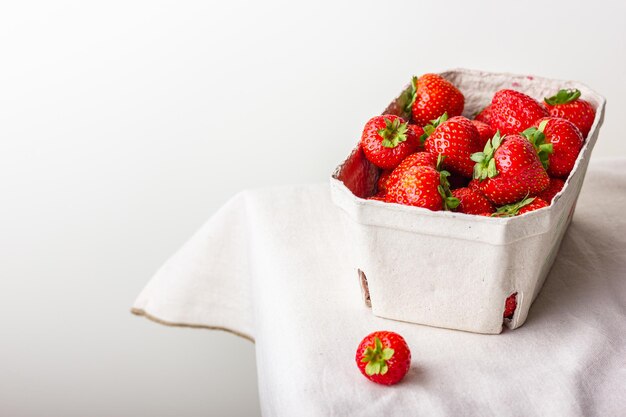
point(274, 265)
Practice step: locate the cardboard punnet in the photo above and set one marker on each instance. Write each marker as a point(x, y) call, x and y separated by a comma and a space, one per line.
point(449, 269)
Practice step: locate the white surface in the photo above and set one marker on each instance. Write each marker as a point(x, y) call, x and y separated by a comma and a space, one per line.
point(113, 118)
point(291, 284)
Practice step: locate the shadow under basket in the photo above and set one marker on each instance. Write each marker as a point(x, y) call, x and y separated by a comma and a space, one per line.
point(449, 269)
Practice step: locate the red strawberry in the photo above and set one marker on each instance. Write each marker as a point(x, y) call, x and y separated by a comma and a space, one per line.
point(485, 131)
point(387, 140)
point(564, 139)
point(513, 112)
point(472, 201)
point(484, 115)
point(567, 105)
point(433, 96)
point(383, 179)
point(509, 169)
point(383, 357)
point(556, 185)
point(417, 182)
point(510, 305)
point(456, 139)
point(521, 207)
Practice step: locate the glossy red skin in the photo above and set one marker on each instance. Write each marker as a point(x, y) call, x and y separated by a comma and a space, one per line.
point(513, 112)
point(417, 131)
point(472, 201)
point(457, 139)
point(382, 180)
point(579, 112)
point(435, 96)
point(415, 182)
point(485, 132)
point(520, 172)
point(536, 204)
point(556, 185)
point(510, 305)
point(566, 141)
point(376, 153)
point(484, 116)
point(398, 365)
point(415, 159)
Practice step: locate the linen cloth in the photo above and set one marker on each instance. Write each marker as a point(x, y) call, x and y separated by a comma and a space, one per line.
point(274, 265)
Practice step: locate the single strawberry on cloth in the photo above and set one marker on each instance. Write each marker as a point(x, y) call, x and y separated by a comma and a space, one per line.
point(274, 266)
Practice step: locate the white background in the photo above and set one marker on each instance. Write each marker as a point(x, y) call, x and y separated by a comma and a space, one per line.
point(124, 125)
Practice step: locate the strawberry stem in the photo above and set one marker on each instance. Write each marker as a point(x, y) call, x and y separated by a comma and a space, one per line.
point(536, 136)
point(430, 127)
point(449, 201)
point(393, 133)
point(563, 96)
point(513, 209)
point(485, 164)
point(377, 358)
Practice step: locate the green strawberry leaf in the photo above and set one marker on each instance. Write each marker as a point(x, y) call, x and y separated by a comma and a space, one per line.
point(430, 127)
point(393, 133)
point(563, 96)
point(407, 98)
point(536, 136)
point(513, 209)
point(485, 166)
point(377, 358)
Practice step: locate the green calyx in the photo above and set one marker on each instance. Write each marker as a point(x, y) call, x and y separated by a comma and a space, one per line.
point(511, 210)
point(377, 358)
point(407, 98)
point(393, 133)
point(563, 97)
point(430, 127)
point(536, 136)
point(485, 164)
point(449, 201)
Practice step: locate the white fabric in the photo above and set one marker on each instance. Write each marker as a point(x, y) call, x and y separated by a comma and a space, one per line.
point(274, 264)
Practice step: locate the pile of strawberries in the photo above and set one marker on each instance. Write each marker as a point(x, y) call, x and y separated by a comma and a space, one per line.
point(511, 159)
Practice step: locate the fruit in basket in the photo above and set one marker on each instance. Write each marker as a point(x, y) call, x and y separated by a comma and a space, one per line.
point(485, 131)
point(432, 96)
point(556, 185)
point(568, 105)
point(383, 357)
point(510, 305)
point(472, 201)
point(509, 169)
point(456, 139)
point(419, 182)
point(565, 141)
point(523, 206)
point(387, 140)
point(514, 112)
point(484, 115)
point(383, 178)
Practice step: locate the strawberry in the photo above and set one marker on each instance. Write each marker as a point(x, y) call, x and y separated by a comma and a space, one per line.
point(556, 185)
point(383, 357)
point(472, 201)
point(432, 96)
point(567, 105)
point(564, 139)
point(383, 178)
point(456, 139)
point(510, 305)
point(417, 182)
point(484, 115)
point(509, 169)
point(513, 112)
point(387, 140)
point(524, 206)
point(485, 131)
